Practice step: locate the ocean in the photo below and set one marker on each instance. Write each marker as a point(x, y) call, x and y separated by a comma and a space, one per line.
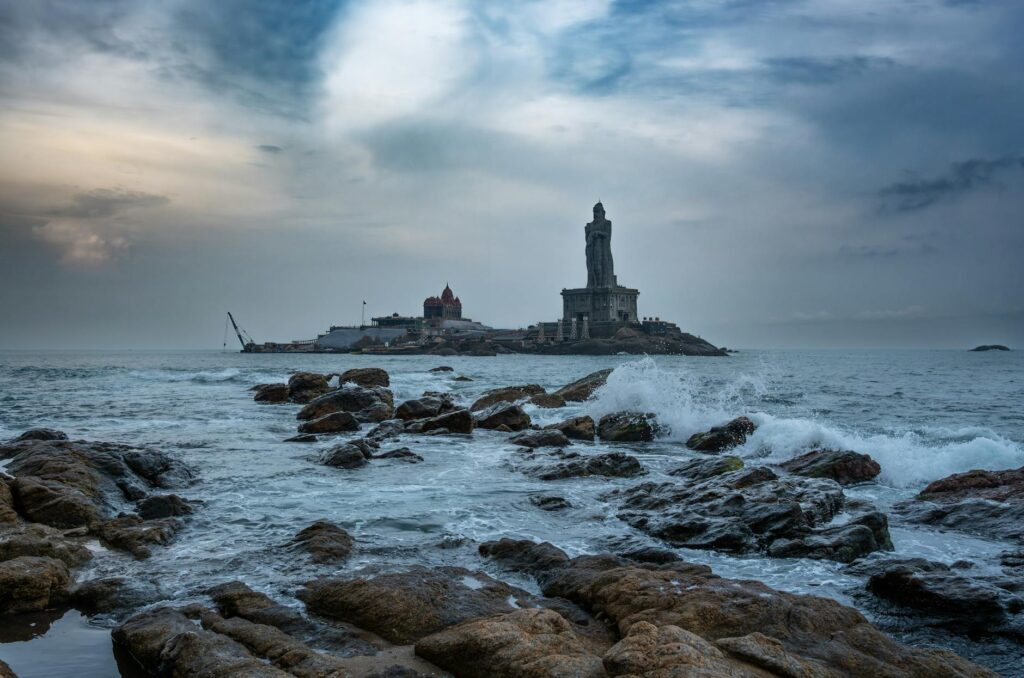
point(922, 414)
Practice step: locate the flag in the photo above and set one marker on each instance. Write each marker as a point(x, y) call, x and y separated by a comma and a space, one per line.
point(364, 303)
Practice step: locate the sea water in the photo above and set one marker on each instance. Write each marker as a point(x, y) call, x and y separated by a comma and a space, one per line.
point(921, 414)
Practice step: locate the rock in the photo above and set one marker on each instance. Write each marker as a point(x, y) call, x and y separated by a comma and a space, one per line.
point(271, 393)
point(406, 606)
point(612, 464)
point(461, 378)
point(366, 377)
point(628, 427)
point(582, 389)
point(524, 555)
point(576, 428)
point(721, 438)
point(163, 506)
point(335, 422)
point(702, 469)
point(510, 394)
point(427, 406)
point(842, 543)
point(31, 583)
point(749, 510)
point(33, 539)
point(549, 503)
point(506, 414)
point(41, 434)
point(650, 554)
point(402, 453)
point(56, 504)
point(547, 400)
point(389, 429)
point(114, 595)
point(520, 643)
point(347, 455)
point(131, 533)
point(990, 347)
point(8, 514)
point(305, 386)
point(985, 503)
point(842, 466)
point(303, 438)
point(325, 542)
point(666, 651)
point(6, 671)
point(236, 599)
point(367, 404)
point(541, 438)
point(459, 421)
point(442, 368)
point(818, 635)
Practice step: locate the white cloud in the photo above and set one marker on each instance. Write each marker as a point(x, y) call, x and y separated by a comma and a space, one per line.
point(79, 243)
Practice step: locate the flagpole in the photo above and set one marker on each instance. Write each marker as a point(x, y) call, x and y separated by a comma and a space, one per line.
point(362, 317)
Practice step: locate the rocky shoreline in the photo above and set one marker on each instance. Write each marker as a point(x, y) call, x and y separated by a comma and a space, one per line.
point(633, 611)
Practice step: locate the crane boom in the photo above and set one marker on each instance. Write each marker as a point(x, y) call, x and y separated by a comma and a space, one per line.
point(243, 338)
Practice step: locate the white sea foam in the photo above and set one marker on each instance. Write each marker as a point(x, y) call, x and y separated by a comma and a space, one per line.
point(227, 374)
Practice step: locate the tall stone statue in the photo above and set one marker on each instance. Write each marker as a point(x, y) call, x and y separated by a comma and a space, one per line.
point(600, 267)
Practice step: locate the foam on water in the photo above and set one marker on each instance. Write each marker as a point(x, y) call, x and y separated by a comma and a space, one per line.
point(200, 377)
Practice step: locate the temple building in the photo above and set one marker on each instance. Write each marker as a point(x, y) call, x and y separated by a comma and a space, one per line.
point(603, 299)
point(447, 306)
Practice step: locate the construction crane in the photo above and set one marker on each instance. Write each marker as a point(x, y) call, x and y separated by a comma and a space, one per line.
point(243, 337)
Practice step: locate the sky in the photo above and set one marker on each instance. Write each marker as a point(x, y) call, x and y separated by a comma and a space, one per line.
point(779, 173)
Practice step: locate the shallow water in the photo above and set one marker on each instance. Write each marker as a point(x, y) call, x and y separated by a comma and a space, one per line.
point(921, 414)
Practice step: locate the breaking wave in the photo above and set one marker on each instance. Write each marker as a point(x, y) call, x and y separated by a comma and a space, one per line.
point(202, 377)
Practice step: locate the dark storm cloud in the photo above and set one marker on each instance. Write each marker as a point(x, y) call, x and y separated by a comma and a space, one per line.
point(962, 177)
point(106, 202)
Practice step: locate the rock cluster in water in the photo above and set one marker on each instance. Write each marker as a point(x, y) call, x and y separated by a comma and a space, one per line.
point(639, 612)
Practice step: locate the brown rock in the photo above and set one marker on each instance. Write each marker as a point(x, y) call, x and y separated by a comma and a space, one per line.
point(507, 394)
point(524, 555)
point(271, 393)
point(523, 643)
point(6, 671)
point(429, 405)
point(541, 438)
point(347, 455)
point(324, 541)
point(842, 466)
point(163, 506)
point(305, 386)
point(135, 535)
point(366, 377)
point(628, 427)
point(724, 437)
point(30, 583)
point(367, 404)
point(548, 400)
point(114, 595)
point(33, 539)
point(42, 434)
point(459, 421)
point(582, 389)
point(577, 428)
point(335, 422)
point(503, 414)
point(667, 651)
point(8, 514)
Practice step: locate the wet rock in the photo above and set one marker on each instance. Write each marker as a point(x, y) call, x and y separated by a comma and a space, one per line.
point(576, 428)
point(305, 386)
point(521, 643)
point(6, 671)
point(510, 394)
point(547, 400)
point(131, 533)
point(367, 404)
point(842, 543)
point(303, 438)
point(114, 595)
point(403, 607)
point(56, 504)
point(347, 455)
point(325, 542)
point(459, 421)
point(819, 634)
point(650, 554)
point(442, 368)
point(429, 405)
point(271, 393)
point(462, 378)
point(33, 539)
point(386, 430)
point(541, 438)
point(842, 466)
point(550, 503)
point(628, 427)
point(163, 506)
point(335, 422)
point(611, 464)
point(985, 503)
point(721, 438)
point(524, 555)
point(30, 583)
point(366, 377)
point(504, 414)
point(8, 514)
point(42, 434)
point(402, 454)
point(739, 511)
point(582, 389)
point(702, 469)
point(648, 650)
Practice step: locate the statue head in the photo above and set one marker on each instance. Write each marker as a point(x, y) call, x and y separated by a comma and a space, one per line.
point(599, 211)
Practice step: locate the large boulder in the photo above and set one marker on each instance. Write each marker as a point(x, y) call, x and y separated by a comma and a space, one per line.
point(509, 394)
point(457, 421)
point(31, 583)
point(271, 393)
point(33, 539)
point(547, 401)
point(523, 555)
point(324, 541)
point(115, 595)
point(649, 650)
point(348, 455)
point(8, 514)
point(406, 606)
point(577, 428)
point(521, 643)
point(985, 503)
point(506, 414)
point(366, 377)
point(41, 434)
point(335, 422)
point(628, 427)
point(843, 466)
point(428, 405)
point(305, 386)
point(366, 404)
point(575, 465)
point(582, 389)
point(843, 543)
point(724, 437)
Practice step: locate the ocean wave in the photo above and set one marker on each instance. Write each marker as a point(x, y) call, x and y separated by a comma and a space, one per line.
point(201, 377)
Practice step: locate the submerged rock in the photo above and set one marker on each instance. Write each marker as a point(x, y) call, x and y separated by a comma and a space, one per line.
point(724, 437)
point(366, 377)
point(550, 503)
point(324, 541)
point(576, 428)
point(366, 404)
point(628, 427)
point(303, 438)
point(442, 368)
point(507, 394)
point(335, 422)
point(843, 466)
point(582, 389)
point(401, 453)
point(503, 414)
point(610, 464)
point(541, 438)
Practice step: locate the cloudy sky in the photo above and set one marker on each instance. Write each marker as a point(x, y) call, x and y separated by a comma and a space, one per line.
point(778, 172)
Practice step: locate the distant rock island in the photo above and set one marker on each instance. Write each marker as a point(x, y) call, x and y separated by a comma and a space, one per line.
point(991, 347)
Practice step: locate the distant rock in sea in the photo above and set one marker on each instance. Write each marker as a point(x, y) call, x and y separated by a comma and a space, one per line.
point(991, 347)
